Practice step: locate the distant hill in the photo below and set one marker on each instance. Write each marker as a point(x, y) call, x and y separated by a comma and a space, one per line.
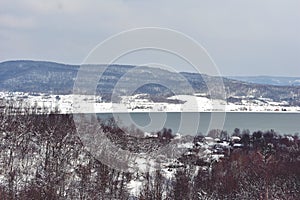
point(270, 80)
point(50, 77)
point(37, 76)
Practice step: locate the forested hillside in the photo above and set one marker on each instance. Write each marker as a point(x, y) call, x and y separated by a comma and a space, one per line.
point(42, 157)
point(55, 78)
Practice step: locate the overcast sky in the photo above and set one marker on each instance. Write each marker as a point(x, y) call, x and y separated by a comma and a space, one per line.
point(254, 37)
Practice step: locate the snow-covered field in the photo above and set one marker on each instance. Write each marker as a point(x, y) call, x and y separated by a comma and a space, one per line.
point(136, 103)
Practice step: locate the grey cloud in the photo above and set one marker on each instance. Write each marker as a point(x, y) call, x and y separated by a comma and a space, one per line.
point(244, 37)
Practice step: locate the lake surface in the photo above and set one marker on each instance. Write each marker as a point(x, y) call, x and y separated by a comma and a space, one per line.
point(192, 123)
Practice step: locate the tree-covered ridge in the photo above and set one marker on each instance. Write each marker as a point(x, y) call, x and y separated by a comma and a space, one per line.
point(56, 78)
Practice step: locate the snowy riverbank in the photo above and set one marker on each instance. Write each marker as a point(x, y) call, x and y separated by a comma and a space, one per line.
point(136, 103)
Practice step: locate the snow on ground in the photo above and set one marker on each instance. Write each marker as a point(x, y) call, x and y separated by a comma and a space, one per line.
point(134, 187)
point(93, 104)
point(188, 145)
point(217, 157)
